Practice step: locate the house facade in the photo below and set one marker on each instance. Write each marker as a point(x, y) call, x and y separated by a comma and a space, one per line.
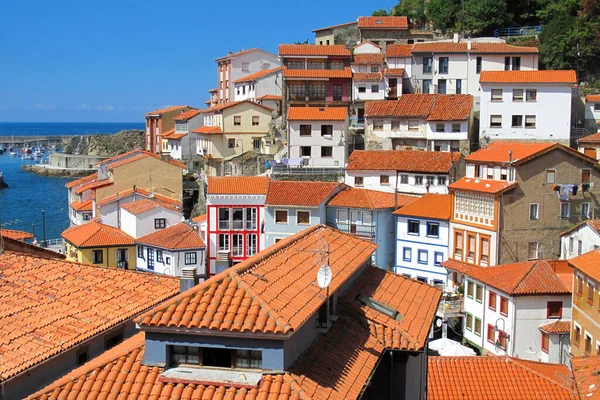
point(526, 105)
point(344, 34)
point(585, 330)
point(368, 73)
point(158, 122)
point(580, 239)
point(589, 145)
point(592, 112)
point(255, 86)
point(181, 142)
point(386, 30)
point(404, 171)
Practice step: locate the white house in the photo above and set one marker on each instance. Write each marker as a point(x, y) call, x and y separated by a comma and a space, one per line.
point(181, 141)
point(422, 232)
point(367, 73)
point(168, 250)
point(590, 145)
point(254, 86)
point(404, 171)
point(592, 112)
point(421, 121)
point(399, 66)
point(109, 206)
point(138, 218)
point(580, 239)
point(521, 310)
point(81, 212)
point(317, 136)
point(526, 105)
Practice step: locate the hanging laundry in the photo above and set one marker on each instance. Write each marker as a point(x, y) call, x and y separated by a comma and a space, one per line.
point(585, 187)
point(563, 193)
point(556, 188)
point(574, 189)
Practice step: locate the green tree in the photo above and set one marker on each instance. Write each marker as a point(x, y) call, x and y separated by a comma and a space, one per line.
point(380, 13)
point(483, 16)
point(299, 42)
point(442, 14)
point(413, 9)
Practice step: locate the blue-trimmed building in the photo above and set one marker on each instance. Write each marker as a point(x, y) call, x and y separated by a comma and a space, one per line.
point(422, 233)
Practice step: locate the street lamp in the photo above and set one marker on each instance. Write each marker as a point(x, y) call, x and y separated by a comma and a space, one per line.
point(44, 226)
point(242, 146)
point(501, 333)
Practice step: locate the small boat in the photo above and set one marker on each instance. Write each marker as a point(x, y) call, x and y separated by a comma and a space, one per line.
point(13, 154)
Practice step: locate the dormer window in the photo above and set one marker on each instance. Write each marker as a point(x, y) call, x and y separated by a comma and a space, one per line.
point(215, 357)
point(181, 126)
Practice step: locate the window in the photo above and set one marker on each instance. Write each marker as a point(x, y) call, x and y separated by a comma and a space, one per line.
point(585, 210)
point(438, 258)
point(378, 125)
point(587, 349)
point(305, 130)
point(255, 120)
point(237, 245)
point(245, 66)
point(430, 180)
point(530, 121)
point(160, 223)
point(395, 125)
point(579, 286)
point(384, 179)
point(455, 127)
point(230, 143)
point(140, 251)
point(426, 86)
point(440, 127)
point(531, 95)
point(590, 292)
point(477, 327)
point(404, 179)
point(326, 130)
point(150, 256)
point(545, 342)
point(517, 121)
point(256, 144)
point(281, 216)
point(441, 180)
point(427, 62)
point(97, 257)
point(358, 181)
point(223, 242)
point(237, 219)
point(586, 176)
point(423, 257)
point(418, 180)
point(443, 64)
point(570, 245)
point(406, 254)
point(433, 229)
point(303, 217)
point(577, 335)
point(159, 255)
point(503, 306)
point(470, 247)
point(478, 65)
point(491, 334)
point(565, 210)
point(326, 151)
point(502, 338)
point(362, 89)
point(495, 121)
point(190, 257)
point(554, 309)
point(82, 355)
point(532, 250)
point(413, 227)
point(496, 94)
point(413, 125)
point(237, 120)
point(458, 86)
point(223, 219)
point(534, 211)
point(507, 63)
point(478, 293)
point(458, 245)
point(305, 151)
point(122, 255)
point(336, 65)
point(248, 359)
point(484, 245)
point(469, 322)
point(517, 94)
point(516, 63)
point(375, 88)
point(550, 175)
point(297, 90)
point(470, 287)
point(492, 301)
point(113, 340)
point(251, 244)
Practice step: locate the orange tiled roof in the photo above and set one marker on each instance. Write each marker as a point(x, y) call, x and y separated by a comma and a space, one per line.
point(383, 22)
point(594, 138)
point(368, 58)
point(497, 152)
point(261, 283)
point(435, 206)
point(187, 115)
point(222, 106)
point(176, 136)
point(592, 223)
point(50, 306)
point(317, 113)
point(462, 47)
point(136, 155)
point(416, 302)
point(481, 185)
point(593, 98)
point(398, 50)
point(587, 380)
point(92, 185)
point(141, 191)
point(367, 42)
point(588, 263)
point(199, 218)
point(567, 77)
point(527, 278)
point(257, 75)
point(208, 130)
point(165, 110)
point(270, 97)
point(82, 205)
point(82, 180)
point(15, 234)
point(317, 73)
point(368, 199)
point(143, 205)
point(95, 234)
point(402, 160)
point(291, 50)
point(559, 326)
point(180, 236)
point(433, 107)
point(166, 134)
point(299, 193)
point(394, 71)
point(241, 52)
point(238, 185)
point(459, 266)
point(457, 378)
point(367, 76)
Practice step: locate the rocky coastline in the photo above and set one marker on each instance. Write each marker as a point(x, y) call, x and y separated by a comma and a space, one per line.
point(45, 170)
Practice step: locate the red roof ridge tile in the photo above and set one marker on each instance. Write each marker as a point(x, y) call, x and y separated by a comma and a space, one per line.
point(567, 77)
point(257, 75)
point(164, 110)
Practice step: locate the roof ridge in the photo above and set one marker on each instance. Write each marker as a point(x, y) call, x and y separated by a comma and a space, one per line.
point(559, 382)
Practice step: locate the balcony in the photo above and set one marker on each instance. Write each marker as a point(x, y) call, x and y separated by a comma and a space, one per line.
point(365, 231)
point(450, 307)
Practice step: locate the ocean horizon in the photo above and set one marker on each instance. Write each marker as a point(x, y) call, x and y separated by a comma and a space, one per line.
point(66, 128)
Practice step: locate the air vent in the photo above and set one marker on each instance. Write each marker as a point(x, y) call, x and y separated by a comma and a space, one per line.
point(379, 306)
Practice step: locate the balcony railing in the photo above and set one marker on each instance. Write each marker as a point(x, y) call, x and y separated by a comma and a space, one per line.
point(367, 231)
point(451, 306)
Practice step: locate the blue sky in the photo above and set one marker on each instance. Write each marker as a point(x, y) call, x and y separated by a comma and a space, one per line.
point(109, 60)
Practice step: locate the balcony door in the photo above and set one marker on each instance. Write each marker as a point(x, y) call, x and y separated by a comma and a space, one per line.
point(393, 85)
point(337, 92)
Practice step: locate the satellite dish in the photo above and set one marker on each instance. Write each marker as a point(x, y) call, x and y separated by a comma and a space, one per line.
point(324, 276)
point(438, 323)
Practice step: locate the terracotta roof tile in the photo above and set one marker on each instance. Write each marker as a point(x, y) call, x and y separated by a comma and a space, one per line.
point(317, 73)
point(450, 47)
point(145, 193)
point(222, 106)
point(457, 378)
point(180, 236)
point(394, 71)
point(279, 272)
point(165, 110)
point(451, 108)
point(587, 379)
point(402, 160)
point(367, 76)
point(57, 304)
point(317, 114)
point(270, 97)
point(176, 136)
point(199, 218)
point(383, 22)
point(398, 50)
point(559, 326)
point(82, 205)
point(144, 205)
point(497, 151)
point(290, 50)
point(439, 47)
point(238, 185)
point(300, 193)
point(593, 138)
point(187, 115)
point(481, 185)
point(567, 77)
point(459, 266)
point(92, 185)
point(208, 130)
point(368, 58)
point(242, 52)
point(368, 199)
point(433, 107)
point(366, 42)
point(165, 135)
point(502, 48)
point(593, 98)
point(258, 75)
point(132, 156)
point(588, 263)
point(82, 180)
point(15, 234)
point(95, 234)
point(434, 206)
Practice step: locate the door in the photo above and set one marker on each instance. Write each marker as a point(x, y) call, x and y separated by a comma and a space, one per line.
point(589, 152)
point(337, 92)
point(361, 115)
point(393, 84)
point(150, 258)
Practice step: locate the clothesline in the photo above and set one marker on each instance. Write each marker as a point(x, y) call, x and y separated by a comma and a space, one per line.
point(563, 190)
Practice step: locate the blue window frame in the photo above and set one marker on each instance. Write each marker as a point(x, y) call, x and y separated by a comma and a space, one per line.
point(413, 227)
point(438, 258)
point(422, 257)
point(433, 230)
point(406, 254)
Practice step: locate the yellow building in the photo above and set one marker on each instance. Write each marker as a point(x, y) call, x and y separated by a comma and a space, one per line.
point(99, 244)
point(585, 327)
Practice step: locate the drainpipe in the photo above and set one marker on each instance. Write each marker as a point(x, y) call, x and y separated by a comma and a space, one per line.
point(396, 193)
point(119, 211)
point(391, 374)
point(560, 344)
point(513, 332)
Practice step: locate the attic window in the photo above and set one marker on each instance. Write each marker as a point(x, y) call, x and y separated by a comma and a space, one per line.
point(215, 357)
point(379, 306)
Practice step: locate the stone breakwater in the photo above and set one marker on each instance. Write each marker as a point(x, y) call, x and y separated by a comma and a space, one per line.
point(47, 170)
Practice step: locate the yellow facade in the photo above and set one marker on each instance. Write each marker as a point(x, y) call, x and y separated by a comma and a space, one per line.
point(109, 255)
point(585, 316)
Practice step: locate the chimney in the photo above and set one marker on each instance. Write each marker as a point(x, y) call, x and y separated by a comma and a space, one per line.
point(223, 261)
point(229, 52)
point(455, 38)
point(188, 279)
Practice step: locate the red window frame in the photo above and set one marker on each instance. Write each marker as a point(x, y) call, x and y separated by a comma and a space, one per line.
point(492, 301)
point(503, 300)
point(492, 329)
point(545, 342)
point(548, 316)
point(502, 338)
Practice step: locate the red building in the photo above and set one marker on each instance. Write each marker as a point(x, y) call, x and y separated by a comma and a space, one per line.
point(158, 122)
